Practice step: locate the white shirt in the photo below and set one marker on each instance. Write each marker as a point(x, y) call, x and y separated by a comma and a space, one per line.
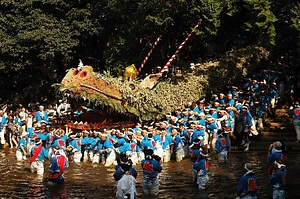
point(29, 122)
point(126, 185)
point(64, 107)
point(23, 116)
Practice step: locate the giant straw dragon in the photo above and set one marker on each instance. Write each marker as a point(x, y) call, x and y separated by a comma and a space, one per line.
point(150, 99)
point(147, 99)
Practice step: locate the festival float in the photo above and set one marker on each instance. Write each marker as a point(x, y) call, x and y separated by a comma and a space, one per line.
point(143, 100)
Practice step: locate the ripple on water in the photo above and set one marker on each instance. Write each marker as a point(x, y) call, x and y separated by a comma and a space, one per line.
point(87, 180)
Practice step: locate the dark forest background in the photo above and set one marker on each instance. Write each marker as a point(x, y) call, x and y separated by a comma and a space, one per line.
point(41, 39)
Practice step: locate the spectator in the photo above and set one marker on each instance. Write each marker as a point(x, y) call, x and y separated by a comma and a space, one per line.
point(64, 109)
point(41, 115)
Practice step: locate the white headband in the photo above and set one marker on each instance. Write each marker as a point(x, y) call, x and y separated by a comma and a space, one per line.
point(247, 168)
point(278, 164)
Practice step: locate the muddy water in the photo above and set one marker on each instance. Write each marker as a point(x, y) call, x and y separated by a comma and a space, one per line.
point(86, 180)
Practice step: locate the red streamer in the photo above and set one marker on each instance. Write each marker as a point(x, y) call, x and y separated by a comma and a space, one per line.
point(165, 68)
point(148, 55)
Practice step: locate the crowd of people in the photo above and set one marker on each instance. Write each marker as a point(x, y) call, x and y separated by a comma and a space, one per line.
point(208, 125)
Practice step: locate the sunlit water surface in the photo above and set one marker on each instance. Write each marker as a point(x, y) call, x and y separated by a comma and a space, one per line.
point(86, 180)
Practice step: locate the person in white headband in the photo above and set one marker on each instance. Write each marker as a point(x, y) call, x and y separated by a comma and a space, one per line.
point(278, 180)
point(247, 184)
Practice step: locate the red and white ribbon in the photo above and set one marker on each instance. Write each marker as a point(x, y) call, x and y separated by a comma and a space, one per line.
point(148, 55)
point(165, 68)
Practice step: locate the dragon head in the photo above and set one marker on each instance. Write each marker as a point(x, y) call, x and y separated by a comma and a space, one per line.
point(84, 79)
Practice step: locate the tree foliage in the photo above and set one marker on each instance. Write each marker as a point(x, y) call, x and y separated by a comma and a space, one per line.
point(40, 39)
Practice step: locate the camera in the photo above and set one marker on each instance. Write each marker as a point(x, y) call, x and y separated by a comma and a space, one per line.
point(223, 123)
point(156, 157)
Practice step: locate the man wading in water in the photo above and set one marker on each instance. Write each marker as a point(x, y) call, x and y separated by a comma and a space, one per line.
point(58, 165)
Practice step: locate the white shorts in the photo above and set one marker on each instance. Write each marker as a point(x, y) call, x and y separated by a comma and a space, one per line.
point(111, 158)
point(166, 157)
point(95, 158)
point(38, 167)
point(77, 156)
point(179, 154)
point(20, 155)
point(2, 139)
point(141, 155)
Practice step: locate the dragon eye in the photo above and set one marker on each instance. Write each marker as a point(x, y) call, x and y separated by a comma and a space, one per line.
point(132, 86)
point(83, 74)
point(75, 72)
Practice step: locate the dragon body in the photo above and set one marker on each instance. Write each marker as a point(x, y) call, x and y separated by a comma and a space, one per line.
point(134, 97)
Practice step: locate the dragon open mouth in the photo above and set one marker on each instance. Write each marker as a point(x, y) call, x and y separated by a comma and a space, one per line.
point(95, 117)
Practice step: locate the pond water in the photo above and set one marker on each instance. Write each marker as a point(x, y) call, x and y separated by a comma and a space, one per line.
point(86, 180)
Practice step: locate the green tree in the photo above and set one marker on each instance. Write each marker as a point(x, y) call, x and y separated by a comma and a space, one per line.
point(40, 39)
